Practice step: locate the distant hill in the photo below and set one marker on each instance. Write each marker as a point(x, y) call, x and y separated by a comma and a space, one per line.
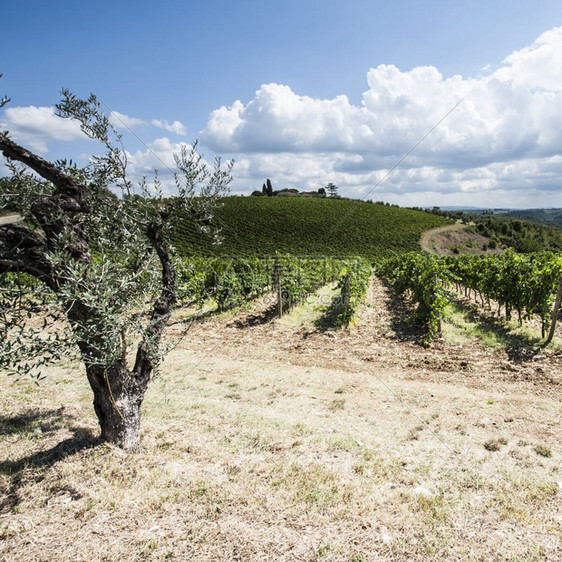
point(550, 217)
point(308, 226)
point(525, 230)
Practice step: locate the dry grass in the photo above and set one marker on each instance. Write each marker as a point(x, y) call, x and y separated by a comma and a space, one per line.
point(274, 443)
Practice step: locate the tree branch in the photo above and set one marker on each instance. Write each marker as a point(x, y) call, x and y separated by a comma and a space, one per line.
point(71, 195)
point(24, 249)
point(163, 306)
point(50, 210)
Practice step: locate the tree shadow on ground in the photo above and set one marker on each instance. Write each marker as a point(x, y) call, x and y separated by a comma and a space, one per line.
point(402, 310)
point(519, 347)
point(28, 426)
point(199, 316)
point(252, 319)
point(329, 319)
point(257, 319)
point(34, 419)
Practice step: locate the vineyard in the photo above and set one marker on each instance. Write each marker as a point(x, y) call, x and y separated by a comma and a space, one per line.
point(384, 236)
point(506, 285)
point(525, 283)
point(251, 226)
point(510, 283)
point(230, 282)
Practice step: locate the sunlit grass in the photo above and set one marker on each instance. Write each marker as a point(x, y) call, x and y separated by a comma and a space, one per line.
point(463, 323)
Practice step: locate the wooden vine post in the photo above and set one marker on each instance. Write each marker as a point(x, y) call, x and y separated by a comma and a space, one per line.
point(277, 281)
point(436, 283)
point(555, 313)
point(347, 290)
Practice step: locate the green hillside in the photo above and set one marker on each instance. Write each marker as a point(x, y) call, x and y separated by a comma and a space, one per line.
point(265, 225)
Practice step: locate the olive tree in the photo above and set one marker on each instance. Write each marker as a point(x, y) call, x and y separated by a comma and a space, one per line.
point(89, 273)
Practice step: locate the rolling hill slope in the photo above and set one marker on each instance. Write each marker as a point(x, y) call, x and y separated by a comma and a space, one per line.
point(265, 225)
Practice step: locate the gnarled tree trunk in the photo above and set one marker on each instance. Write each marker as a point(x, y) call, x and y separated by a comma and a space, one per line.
point(117, 403)
point(118, 390)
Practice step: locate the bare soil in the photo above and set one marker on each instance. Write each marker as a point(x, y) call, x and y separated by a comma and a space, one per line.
point(284, 439)
point(455, 239)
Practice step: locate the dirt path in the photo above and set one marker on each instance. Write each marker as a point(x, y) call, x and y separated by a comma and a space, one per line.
point(430, 240)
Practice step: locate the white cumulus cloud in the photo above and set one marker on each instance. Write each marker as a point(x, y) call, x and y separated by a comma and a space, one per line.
point(279, 119)
point(505, 136)
point(176, 127)
point(158, 155)
point(120, 120)
point(35, 126)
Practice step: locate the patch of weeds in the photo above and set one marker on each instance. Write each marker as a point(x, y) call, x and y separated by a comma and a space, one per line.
point(6, 532)
point(471, 481)
point(198, 489)
point(495, 444)
point(432, 506)
point(461, 429)
point(385, 470)
point(255, 440)
point(472, 323)
point(512, 511)
point(359, 468)
point(540, 493)
point(208, 428)
point(543, 450)
point(301, 430)
point(337, 404)
point(225, 440)
point(102, 450)
point(368, 454)
point(165, 445)
point(346, 443)
point(321, 551)
point(432, 546)
point(232, 470)
point(151, 546)
point(414, 433)
point(522, 500)
point(312, 485)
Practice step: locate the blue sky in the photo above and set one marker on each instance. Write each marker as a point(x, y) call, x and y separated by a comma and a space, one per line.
point(308, 92)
